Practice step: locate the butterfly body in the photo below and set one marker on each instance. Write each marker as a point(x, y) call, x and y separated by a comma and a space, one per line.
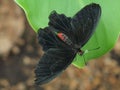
point(63, 39)
point(66, 39)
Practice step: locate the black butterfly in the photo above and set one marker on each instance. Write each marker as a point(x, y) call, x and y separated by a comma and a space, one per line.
point(63, 39)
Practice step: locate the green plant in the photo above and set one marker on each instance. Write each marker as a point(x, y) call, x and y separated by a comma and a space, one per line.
point(37, 12)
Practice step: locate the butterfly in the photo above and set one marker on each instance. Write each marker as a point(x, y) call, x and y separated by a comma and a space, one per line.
point(62, 39)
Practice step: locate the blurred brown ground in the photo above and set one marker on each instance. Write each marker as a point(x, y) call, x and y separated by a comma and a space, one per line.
point(20, 52)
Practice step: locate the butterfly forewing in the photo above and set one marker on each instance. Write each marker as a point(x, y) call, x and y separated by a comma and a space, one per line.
point(84, 22)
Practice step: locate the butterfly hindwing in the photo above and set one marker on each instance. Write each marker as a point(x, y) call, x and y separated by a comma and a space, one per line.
point(84, 22)
point(52, 63)
point(48, 39)
point(61, 23)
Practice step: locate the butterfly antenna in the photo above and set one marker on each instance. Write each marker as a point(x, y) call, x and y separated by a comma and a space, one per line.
point(87, 52)
point(94, 49)
point(84, 60)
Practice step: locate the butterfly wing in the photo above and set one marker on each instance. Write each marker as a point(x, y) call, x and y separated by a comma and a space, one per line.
point(48, 39)
point(56, 58)
point(52, 63)
point(61, 23)
point(84, 22)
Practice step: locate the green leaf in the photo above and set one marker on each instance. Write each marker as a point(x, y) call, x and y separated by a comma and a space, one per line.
point(108, 30)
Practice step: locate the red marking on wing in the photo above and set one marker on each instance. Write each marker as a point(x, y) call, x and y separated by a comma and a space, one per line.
point(61, 36)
